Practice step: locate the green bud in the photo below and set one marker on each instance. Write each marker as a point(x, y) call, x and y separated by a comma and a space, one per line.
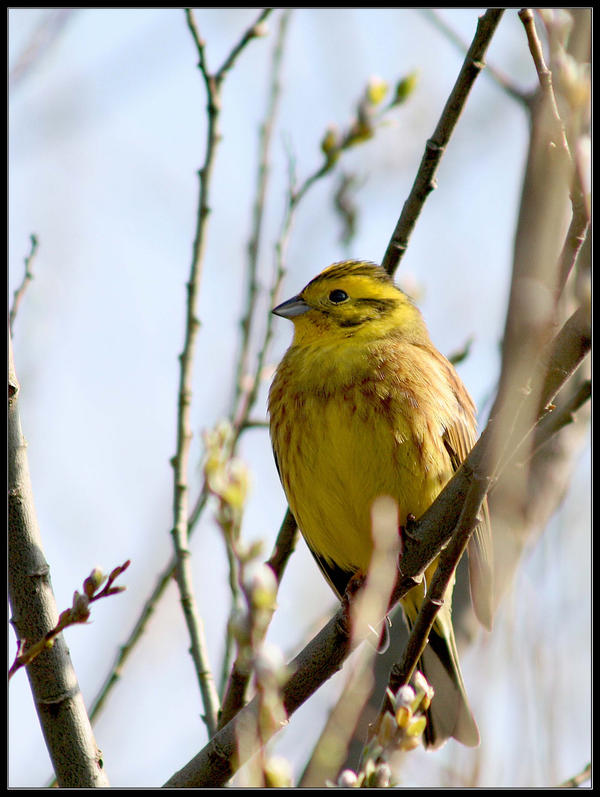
point(376, 90)
point(261, 585)
point(93, 581)
point(405, 87)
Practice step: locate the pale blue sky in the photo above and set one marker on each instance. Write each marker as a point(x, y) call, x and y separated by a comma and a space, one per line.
point(106, 133)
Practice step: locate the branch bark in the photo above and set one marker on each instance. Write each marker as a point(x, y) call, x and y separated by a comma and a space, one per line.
point(213, 82)
point(424, 182)
point(59, 703)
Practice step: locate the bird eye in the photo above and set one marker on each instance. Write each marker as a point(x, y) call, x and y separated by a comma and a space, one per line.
point(338, 296)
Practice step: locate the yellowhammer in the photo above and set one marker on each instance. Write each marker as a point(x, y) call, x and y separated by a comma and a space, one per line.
point(364, 405)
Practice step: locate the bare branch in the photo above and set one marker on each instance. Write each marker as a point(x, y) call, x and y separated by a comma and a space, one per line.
point(536, 50)
point(245, 398)
point(434, 597)
point(434, 149)
point(184, 433)
point(543, 258)
point(284, 545)
point(67, 731)
point(78, 613)
point(255, 30)
point(164, 578)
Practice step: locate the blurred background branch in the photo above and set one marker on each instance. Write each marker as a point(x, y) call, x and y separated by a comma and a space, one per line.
point(20, 291)
point(424, 182)
point(44, 36)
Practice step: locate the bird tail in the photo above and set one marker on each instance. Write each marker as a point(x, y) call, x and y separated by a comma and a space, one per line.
point(449, 713)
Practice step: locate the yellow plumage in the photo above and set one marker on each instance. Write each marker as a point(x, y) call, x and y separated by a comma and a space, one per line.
point(364, 405)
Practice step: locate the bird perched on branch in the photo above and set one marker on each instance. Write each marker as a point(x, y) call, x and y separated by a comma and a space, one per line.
point(363, 405)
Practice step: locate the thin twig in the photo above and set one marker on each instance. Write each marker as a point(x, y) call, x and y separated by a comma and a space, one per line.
point(575, 238)
point(253, 32)
point(184, 434)
point(78, 613)
point(544, 76)
point(435, 147)
point(284, 545)
point(236, 605)
point(564, 135)
point(558, 418)
point(246, 394)
point(535, 48)
point(27, 277)
point(180, 461)
point(245, 397)
point(113, 676)
point(239, 677)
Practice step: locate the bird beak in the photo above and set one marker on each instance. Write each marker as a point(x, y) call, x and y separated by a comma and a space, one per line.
point(293, 307)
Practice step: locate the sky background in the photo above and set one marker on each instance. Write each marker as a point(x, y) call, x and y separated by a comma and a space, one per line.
point(106, 134)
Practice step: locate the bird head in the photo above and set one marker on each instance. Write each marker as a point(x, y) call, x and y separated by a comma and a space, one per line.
point(351, 299)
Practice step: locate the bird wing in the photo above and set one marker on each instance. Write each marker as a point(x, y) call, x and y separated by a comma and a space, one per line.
point(459, 440)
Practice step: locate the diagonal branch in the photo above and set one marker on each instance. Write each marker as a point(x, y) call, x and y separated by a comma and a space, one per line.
point(434, 148)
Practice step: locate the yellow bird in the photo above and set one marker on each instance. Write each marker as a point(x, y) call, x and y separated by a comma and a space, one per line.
point(363, 405)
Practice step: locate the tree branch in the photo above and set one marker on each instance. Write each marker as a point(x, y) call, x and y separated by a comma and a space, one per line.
point(77, 614)
point(434, 149)
point(59, 703)
point(265, 138)
point(543, 259)
point(180, 461)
